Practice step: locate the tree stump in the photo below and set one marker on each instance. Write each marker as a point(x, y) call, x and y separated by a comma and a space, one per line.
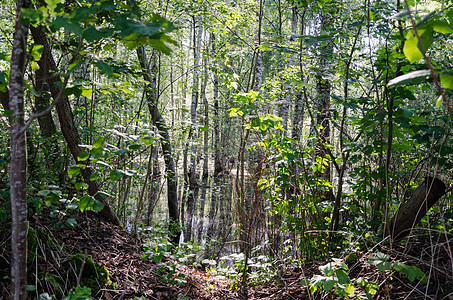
point(413, 210)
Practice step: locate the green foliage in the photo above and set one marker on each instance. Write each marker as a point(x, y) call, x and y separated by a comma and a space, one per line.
point(412, 48)
point(161, 250)
point(94, 21)
point(446, 78)
point(80, 293)
point(411, 78)
point(261, 268)
point(411, 272)
point(334, 277)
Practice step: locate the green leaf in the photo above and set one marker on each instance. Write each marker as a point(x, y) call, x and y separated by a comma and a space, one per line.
point(105, 68)
point(46, 296)
point(94, 176)
point(305, 282)
point(85, 203)
point(73, 171)
point(439, 101)
point(64, 22)
point(385, 265)
point(80, 293)
point(52, 4)
point(43, 193)
point(81, 186)
point(36, 51)
point(329, 283)
point(97, 206)
point(87, 92)
point(104, 194)
point(96, 152)
point(327, 269)
point(83, 156)
point(442, 26)
point(99, 142)
point(148, 141)
point(134, 147)
point(411, 78)
point(313, 289)
point(350, 289)
point(31, 288)
point(92, 34)
point(115, 175)
point(74, 90)
point(342, 276)
point(158, 258)
point(446, 78)
point(8, 112)
point(31, 16)
point(121, 151)
point(51, 199)
point(411, 47)
point(71, 222)
point(264, 47)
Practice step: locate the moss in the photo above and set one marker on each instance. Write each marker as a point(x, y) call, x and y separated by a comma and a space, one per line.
point(351, 259)
point(94, 276)
point(57, 284)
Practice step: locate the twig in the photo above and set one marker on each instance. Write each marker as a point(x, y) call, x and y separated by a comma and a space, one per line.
point(151, 269)
point(81, 268)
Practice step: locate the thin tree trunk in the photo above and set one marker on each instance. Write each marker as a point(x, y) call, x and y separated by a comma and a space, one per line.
point(323, 87)
point(217, 164)
point(159, 122)
point(193, 133)
point(344, 154)
point(155, 184)
point(18, 161)
point(205, 174)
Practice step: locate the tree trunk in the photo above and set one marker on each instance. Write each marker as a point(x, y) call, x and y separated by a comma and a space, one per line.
point(205, 174)
point(159, 122)
point(409, 213)
point(193, 180)
point(46, 123)
point(217, 164)
point(323, 87)
point(18, 160)
point(155, 185)
point(67, 124)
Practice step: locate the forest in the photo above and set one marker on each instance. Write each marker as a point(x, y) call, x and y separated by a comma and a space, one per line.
point(217, 149)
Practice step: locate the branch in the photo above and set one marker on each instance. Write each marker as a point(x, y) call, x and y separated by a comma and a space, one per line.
point(45, 111)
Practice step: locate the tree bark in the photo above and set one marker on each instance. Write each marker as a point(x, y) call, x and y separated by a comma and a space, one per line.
point(205, 172)
point(150, 75)
point(217, 163)
point(409, 213)
point(323, 88)
point(67, 123)
point(18, 159)
point(46, 123)
point(193, 132)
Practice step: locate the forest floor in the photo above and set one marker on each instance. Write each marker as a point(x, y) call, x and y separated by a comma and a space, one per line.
point(132, 276)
